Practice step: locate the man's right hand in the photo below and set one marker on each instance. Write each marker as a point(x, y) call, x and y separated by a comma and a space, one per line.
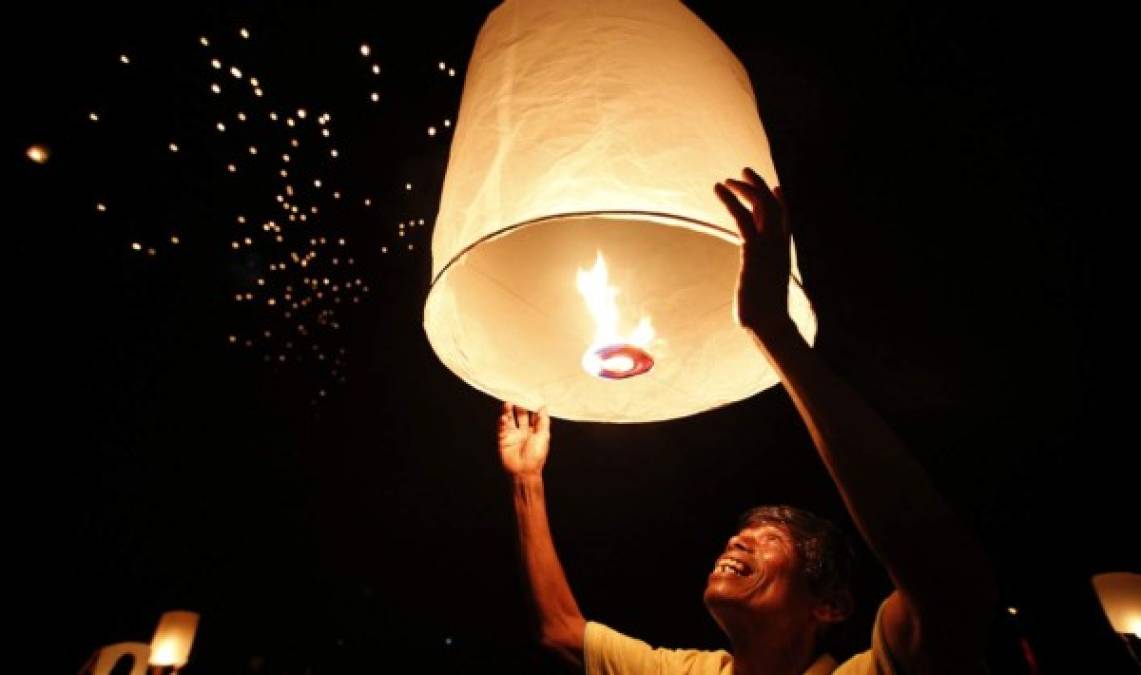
point(524, 438)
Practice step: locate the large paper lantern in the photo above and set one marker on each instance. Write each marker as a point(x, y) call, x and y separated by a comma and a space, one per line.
point(580, 256)
point(1120, 596)
point(173, 638)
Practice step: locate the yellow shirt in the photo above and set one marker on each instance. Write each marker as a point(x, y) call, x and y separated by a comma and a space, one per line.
point(608, 652)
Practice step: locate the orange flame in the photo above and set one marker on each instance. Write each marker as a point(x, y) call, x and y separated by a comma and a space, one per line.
point(599, 295)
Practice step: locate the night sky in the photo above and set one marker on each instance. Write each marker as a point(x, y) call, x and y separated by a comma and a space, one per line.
point(328, 496)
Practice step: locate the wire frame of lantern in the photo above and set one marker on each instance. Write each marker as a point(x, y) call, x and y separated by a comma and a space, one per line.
point(589, 138)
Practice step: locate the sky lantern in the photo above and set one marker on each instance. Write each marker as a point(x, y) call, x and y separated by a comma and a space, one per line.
point(1120, 596)
point(173, 638)
point(580, 258)
point(107, 658)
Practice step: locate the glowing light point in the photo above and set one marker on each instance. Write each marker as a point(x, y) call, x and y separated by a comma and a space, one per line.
point(38, 154)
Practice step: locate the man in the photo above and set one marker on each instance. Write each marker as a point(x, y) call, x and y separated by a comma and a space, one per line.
point(779, 585)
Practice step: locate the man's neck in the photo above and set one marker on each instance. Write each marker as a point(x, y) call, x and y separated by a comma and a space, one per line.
point(777, 650)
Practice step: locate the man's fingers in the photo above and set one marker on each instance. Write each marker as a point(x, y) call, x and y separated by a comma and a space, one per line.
point(521, 420)
point(750, 192)
point(544, 420)
point(508, 416)
point(741, 214)
point(772, 208)
point(761, 215)
point(786, 228)
point(755, 179)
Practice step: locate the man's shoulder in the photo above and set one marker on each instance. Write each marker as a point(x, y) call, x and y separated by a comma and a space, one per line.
point(608, 651)
point(878, 659)
point(863, 663)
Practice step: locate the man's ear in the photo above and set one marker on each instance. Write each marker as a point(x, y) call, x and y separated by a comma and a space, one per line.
point(834, 609)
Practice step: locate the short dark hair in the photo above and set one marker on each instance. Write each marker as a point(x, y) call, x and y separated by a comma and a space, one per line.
point(825, 551)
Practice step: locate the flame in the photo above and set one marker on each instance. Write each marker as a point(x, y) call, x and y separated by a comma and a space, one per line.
point(599, 295)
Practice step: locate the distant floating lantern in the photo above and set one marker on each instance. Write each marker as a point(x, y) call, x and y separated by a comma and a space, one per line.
point(587, 132)
point(173, 637)
point(106, 659)
point(39, 154)
point(1120, 595)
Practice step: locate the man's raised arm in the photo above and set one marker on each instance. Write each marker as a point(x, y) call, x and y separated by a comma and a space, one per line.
point(936, 620)
point(524, 438)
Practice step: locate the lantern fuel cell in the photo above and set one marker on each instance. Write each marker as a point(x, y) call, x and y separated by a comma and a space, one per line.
point(617, 362)
point(593, 132)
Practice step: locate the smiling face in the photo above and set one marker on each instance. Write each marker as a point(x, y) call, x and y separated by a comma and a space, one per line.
point(759, 580)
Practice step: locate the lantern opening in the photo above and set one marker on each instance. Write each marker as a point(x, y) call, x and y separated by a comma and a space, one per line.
point(507, 316)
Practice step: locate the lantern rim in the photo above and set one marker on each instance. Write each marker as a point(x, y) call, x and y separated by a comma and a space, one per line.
point(670, 219)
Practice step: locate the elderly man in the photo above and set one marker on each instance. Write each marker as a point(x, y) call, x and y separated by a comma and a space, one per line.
point(781, 581)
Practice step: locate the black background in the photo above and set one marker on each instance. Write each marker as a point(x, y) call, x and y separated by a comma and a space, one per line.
point(948, 240)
